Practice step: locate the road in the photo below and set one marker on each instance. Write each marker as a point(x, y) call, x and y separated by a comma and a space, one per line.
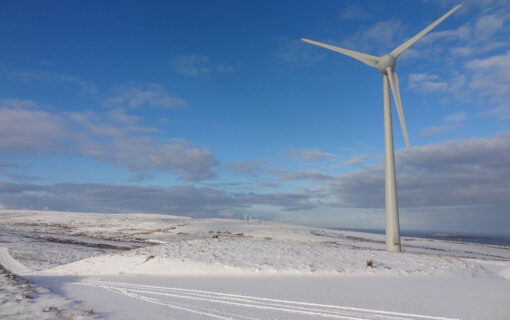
point(286, 297)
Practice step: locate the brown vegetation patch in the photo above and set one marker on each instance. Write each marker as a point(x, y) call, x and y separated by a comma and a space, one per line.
point(152, 231)
point(85, 244)
point(148, 258)
point(43, 224)
point(96, 237)
point(359, 239)
point(330, 243)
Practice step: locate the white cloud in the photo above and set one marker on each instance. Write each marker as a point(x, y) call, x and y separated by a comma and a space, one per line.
point(426, 82)
point(385, 33)
point(421, 77)
point(198, 65)
point(480, 37)
point(151, 95)
point(249, 167)
point(178, 200)
point(55, 77)
point(119, 146)
point(306, 175)
point(454, 120)
point(491, 76)
point(480, 6)
point(120, 116)
point(439, 184)
point(94, 135)
point(297, 51)
point(463, 32)
point(438, 130)
point(475, 37)
point(26, 130)
point(501, 112)
point(355, 160)
point(141, 176)
point(458, 116)
point(485, 79)
point(308, 155)
point(354, 12)
point(469, 172)
point(463, 51)
point(376, 39)
point(487, 25)
point(40, 62)
point(19, 104)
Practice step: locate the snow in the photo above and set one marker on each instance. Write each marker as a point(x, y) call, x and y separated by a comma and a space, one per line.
point(505, 274)
point(20, 299)
point(11, 264)
point(132, 266)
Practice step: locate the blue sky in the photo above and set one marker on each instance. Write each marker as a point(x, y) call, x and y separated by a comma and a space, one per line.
point(217, 109)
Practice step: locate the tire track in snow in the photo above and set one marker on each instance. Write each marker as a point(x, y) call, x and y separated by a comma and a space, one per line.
point(181, 306)
point(271, 306)
point(148, 293)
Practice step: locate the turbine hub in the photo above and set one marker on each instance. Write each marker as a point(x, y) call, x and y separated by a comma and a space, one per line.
point(385, 62)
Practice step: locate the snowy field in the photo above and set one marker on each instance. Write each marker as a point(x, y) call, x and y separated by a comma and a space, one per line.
point(61, 265)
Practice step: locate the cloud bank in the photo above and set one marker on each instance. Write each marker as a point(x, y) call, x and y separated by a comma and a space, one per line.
point(457, 180)
point(108, 138)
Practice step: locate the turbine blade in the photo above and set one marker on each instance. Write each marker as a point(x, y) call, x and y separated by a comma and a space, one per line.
point(392, 76)
point(363, 57)
point(404, 46)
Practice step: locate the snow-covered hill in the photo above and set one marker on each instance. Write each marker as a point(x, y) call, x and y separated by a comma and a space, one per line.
point(76, 254)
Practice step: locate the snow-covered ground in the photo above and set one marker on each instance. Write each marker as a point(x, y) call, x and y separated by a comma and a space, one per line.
point(133, 266)
point(20, 299)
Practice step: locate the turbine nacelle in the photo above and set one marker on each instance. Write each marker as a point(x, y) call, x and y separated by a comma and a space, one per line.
point(385, 62)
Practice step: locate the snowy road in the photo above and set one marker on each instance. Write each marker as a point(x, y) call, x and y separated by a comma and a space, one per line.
point(286, 297)
point(193, 301)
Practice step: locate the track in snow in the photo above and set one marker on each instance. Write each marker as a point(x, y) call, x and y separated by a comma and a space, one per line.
point(214, 305)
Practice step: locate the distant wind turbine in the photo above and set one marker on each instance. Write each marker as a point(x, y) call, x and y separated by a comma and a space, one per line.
point(386, 66)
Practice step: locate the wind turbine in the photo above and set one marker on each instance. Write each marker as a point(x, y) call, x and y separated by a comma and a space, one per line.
point(386, 66)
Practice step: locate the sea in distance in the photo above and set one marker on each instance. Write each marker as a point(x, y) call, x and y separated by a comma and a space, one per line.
point(482, 239)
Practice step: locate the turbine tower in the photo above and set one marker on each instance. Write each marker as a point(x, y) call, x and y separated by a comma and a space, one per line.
point(386, 66)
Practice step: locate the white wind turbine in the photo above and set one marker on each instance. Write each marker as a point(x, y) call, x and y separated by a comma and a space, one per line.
point(386, 66)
